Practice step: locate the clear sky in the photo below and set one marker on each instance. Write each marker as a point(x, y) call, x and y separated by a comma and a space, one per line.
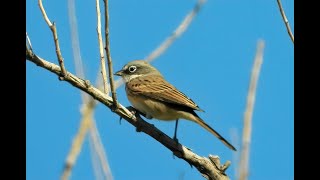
point(211, 63)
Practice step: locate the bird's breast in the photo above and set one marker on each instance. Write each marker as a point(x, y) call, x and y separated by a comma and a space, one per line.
point(153, 108)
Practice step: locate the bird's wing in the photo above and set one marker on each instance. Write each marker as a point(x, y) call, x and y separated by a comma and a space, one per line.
point(157, 88)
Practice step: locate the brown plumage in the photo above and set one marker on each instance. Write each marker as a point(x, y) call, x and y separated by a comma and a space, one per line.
point(152, 95)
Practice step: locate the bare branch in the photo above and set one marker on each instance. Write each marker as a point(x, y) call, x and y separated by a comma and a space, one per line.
point(174, 35)
point(55, 37)
point(76, 45)
point(286, 22)
point(113, 92)
point(102, 58)
point(96, 141)
point(95, 162)
point(29, 46)
point(78, 141)
point(204, 165)
point(44, 13)
point(244, 160)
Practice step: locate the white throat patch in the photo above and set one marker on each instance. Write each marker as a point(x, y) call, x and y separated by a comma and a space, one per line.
point(127, 78)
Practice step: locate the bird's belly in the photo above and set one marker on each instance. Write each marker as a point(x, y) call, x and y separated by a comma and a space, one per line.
point(153, 108)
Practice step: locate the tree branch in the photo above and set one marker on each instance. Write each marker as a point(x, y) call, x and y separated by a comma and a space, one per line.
point(55, 37)
point(113, 92)
point(28, 42)
point(76, 44)
point(206, 167)
point(97, 145)
point(78, 140)
point(286, 22)
point(246, 134)
point(102, 58)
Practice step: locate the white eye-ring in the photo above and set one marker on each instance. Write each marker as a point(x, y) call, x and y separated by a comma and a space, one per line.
point(132, 69)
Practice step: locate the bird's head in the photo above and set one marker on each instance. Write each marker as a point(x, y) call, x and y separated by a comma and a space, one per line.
point(136, 69)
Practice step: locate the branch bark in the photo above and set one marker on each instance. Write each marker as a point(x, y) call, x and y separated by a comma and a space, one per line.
point(286, 22)
point(211, 170)
point(102, 58)
point(113, 92)
point(53, 29)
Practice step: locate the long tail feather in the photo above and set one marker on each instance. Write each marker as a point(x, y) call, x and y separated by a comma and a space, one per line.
point(211, 130)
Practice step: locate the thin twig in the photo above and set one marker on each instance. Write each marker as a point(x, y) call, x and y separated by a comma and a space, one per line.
point(95, 162)
point(286, 22)
point(204, 165)
point(102, 157)
point(113, 92)
point(44, 13)
point(53, 29)
point(76, 45)
point(174, 35)
point(77, 142)
point(102, 58)
point(29, 46)
point(246, 134)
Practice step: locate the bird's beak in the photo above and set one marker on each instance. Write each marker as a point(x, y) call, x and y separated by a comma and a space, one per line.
point(119, 73)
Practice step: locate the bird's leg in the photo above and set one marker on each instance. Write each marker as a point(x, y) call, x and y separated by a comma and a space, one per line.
point(175, 132)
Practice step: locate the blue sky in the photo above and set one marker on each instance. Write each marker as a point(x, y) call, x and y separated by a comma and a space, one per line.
point(211, 63)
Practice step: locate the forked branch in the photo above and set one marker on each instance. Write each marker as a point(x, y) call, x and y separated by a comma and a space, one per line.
point(53, 29)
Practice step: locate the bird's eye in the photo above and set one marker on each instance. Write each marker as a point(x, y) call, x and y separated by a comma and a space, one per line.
point(132, 69)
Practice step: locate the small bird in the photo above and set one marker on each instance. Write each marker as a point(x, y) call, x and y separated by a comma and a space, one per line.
point(152, 95)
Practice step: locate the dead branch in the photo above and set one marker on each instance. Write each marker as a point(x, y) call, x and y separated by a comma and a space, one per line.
point(102, 59)
point(246, 134)
point(78, 141)
point(113, 92)
point(53, 29)
point(286, 22)
point(98, 147)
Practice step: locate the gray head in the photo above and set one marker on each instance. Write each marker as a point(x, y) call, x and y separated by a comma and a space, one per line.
point(137, 68)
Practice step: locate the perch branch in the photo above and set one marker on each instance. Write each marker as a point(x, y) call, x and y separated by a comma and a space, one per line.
point(208, 169)
point(113, 92)
point(53, 29)
point(246, 134)
point(174, 35)
point(286, 22)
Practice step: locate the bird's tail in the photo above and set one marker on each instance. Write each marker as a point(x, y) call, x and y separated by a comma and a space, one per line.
point(208, 128)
